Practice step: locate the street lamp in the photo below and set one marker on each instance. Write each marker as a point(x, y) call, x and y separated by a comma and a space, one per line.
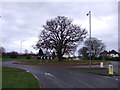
point(21, 46)
point(89, 36)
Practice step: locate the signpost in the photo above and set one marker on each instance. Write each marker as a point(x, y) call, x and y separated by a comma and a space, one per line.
point(110, 69)
point(90, 52)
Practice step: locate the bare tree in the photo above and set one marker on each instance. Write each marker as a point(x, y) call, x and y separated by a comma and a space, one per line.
point(2, 49)
point(97, 46)
point(61, 35)
point(83, 52)
point(26, 51)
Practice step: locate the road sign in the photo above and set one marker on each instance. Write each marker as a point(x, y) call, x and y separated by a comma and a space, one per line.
point(91, 51)
point(110, 69)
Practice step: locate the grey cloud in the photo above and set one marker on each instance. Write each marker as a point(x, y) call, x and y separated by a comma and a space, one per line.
point(25, 20)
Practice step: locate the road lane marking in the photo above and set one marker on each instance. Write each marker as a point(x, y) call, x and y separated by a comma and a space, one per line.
point(82, 81)
point(85, 83)
point(46, 73)
point(112, 78)
point(27, 71)
point(40, 85)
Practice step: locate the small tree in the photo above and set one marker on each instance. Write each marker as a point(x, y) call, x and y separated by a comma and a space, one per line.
point(61, 35)
point(26, 52)
point(83, 52)
point(2, 49)
point(41, 52)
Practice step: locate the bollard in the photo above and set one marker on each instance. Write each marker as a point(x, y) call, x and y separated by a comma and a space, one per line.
point(101, 64)
point(110, 69)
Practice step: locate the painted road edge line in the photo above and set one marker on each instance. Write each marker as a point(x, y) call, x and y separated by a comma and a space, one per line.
point(40, 85)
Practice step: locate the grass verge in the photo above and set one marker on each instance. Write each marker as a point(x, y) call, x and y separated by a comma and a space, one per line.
point(95, 70)
point(18, 78)
point(64, 61)
point(10, 59)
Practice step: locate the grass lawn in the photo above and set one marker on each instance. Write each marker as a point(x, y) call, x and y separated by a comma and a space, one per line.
point(18, 78)
point(95, 70)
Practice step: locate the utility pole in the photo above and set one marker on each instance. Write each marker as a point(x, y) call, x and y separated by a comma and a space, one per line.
point(21, 47)
point(89, 36)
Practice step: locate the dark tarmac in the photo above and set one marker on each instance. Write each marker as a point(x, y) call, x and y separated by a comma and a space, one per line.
point(62, 77)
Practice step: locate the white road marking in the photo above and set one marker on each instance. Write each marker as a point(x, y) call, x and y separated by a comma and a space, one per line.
point(40, 85)
point(111, 78)
point(27, 71)
point(82, 81)
point(85, 83)
point(49, 74)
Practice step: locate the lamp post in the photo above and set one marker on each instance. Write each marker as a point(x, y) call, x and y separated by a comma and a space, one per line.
point(21, 47)
point(89, 36)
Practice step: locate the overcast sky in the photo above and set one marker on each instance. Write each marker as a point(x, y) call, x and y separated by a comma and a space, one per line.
point(24, 20)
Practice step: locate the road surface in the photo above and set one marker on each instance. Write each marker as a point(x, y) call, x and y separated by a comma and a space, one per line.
point(62, 77)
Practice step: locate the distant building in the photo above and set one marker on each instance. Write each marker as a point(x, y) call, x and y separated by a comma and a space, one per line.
point(111, 53)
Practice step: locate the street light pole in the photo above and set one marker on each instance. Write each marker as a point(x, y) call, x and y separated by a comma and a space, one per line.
point(89, 36)
point(21, 46)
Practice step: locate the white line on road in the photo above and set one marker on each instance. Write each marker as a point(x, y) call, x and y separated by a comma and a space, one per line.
point(40, 85)
point(83, 81)
point(46, 73)
point(111, 78)
point(27, 71)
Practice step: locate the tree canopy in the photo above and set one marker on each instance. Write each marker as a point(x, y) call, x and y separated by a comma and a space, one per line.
point(61, 36)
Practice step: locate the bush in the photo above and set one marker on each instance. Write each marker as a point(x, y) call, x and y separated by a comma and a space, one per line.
point(28, 57)
point(38, 57)
point(13, 54)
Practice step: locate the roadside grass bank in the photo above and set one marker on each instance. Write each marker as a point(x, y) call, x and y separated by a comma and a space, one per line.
point(18, 78)
point(59, 63)
point(10, 59)
point(63, 61)
point(95, 70)
point(44, 61)
point(25, 61)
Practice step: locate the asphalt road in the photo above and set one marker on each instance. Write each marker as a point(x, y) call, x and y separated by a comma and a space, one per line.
point(62, 77)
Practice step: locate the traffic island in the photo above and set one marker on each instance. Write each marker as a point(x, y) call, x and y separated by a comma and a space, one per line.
point(57, 63)
point(95, 70)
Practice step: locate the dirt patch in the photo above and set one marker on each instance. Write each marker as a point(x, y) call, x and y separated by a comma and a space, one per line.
point(56, 64)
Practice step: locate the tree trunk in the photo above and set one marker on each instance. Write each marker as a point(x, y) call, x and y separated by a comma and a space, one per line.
point(59, 56)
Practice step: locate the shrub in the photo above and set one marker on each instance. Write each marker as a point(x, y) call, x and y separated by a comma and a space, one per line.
point(13, 54)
